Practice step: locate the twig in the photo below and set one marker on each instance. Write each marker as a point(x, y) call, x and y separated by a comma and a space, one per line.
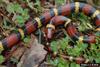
point(4, 15)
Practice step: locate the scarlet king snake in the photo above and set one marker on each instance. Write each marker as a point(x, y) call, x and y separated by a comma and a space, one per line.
point(65, 10)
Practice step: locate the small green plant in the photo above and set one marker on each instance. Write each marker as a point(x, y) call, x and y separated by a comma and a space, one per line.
point(21, 15)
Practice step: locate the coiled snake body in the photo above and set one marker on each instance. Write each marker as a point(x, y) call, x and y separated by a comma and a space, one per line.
point(65, 10)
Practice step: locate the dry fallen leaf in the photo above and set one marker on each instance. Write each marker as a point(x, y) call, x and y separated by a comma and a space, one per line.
point(33, 56)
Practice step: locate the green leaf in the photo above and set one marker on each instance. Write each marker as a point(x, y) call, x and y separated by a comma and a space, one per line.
point(20, 20)
point(74, 65)
point(63, 44)
point(25, 14)
point(30, 4)
point(54, 46)
point(62, 63)
point(97, 60)
point(97, 33)
point(18, 8)
point(14, 7)
point(10, 8)
point(1, 59)
point(82, 46)
point(14, 60)
point(93, 47)
point(54, 62)
point(27, 39)
point(60, 2)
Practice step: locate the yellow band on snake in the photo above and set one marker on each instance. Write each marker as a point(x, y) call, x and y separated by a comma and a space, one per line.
point(1, 46)
point(77, 7)
point(68, 21)
point(98, 29)
point(81, 39)
point(21, 32)
point(95, 13)
point(50, 26)
point(38, 21)
point(55, 11)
